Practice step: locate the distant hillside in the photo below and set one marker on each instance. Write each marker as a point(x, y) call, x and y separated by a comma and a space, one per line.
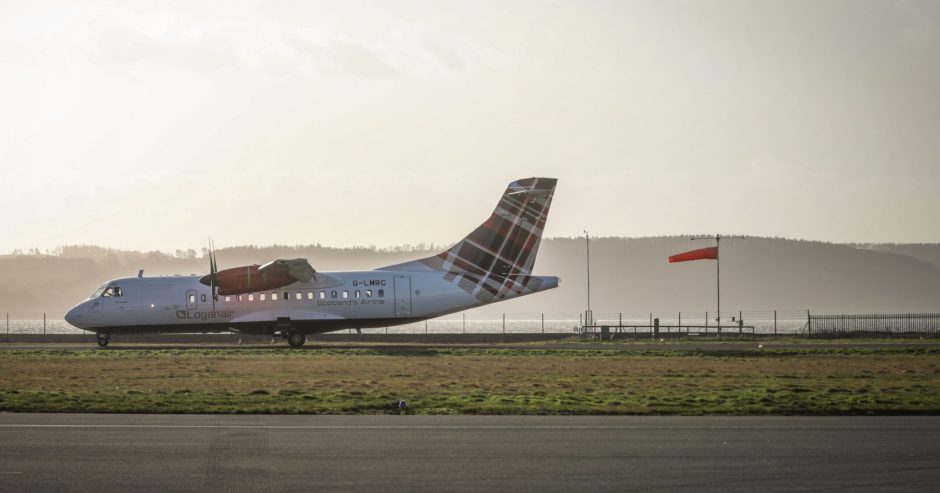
point(628, 274)
point(756, 274)
point(928, 252)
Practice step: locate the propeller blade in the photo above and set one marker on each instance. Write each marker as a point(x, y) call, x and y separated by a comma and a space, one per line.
point(212, 271)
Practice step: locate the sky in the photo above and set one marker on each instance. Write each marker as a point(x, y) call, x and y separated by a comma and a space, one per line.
point(155, 125)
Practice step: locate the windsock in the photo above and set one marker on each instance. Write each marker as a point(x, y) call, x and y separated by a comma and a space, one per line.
point(710, 253)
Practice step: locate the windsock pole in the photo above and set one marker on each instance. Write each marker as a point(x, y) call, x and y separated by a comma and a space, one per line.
point(717, 239)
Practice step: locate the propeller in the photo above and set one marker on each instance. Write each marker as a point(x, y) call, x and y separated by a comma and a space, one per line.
point(213, 269)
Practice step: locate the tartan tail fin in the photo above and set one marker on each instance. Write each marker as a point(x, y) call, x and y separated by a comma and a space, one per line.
point(508, 242)
point(495, 261)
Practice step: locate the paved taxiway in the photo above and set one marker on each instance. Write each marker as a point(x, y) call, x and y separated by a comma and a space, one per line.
point(87, 452)
point(408, 347)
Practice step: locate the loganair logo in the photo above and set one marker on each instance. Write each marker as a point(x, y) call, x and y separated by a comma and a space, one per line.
point(210, 315)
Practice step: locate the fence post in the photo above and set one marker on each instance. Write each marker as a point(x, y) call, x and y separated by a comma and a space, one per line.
point(680, 322)
point(706, 322)
point(425, 326)
point(655, 328)
point(809, 323)
point(504, 323)
point(8, 323)
point(775, 323)
point(543, 323)
point(44, 327)
point(463, 317)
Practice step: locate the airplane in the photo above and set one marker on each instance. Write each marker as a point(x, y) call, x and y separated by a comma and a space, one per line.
point(289, 298)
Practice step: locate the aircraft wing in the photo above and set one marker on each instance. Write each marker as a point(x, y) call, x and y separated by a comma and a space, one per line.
point(298, 269)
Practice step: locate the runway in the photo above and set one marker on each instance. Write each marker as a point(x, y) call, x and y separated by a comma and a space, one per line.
point(84, 452)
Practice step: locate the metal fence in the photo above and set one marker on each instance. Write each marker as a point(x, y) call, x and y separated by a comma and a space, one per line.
point(758, 322)
point(472, 322)
point(906, 325)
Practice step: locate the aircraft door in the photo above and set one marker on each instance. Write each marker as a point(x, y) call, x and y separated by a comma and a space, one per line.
point(191, 299)
point(403, 296)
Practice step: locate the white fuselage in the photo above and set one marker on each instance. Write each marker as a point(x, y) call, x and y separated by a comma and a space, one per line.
point(333, 301)
point(493, 263)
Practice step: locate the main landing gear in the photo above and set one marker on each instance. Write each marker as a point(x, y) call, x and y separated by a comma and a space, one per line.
point(296, 339)
point(103, 338)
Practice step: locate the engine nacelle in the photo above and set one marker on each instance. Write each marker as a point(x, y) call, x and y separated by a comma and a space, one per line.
point(249, 278)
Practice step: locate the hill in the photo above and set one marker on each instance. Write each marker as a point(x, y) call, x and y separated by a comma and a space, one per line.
point(628, 274)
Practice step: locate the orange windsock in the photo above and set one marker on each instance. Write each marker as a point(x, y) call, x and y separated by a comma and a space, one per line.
point(710, 253)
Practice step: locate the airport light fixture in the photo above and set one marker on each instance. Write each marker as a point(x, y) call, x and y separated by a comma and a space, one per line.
point(588, 315)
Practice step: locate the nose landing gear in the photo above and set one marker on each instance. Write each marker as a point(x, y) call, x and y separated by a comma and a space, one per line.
point(103, 338)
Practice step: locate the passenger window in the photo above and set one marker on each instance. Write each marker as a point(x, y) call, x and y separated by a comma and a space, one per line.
point(228, 299)
point(309, 295)
point(333, 293)
point(273, 296)
point(368, 293)
point(357, 293)
point(286, 295)
point(298, 295)
point(202, 297)
point(192, 298)
point(322, 295)
point(381, 293)
point(251, 297)
point(262, 296)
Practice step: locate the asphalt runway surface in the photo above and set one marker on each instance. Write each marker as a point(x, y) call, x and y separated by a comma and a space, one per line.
point(409, 347)
point(100, 452)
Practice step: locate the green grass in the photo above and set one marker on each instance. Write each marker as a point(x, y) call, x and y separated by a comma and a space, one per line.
point(473, 381)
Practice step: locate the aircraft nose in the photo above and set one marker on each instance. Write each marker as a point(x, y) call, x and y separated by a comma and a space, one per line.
point(73, 316)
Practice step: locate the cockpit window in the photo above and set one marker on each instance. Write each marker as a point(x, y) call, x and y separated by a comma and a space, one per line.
point(98, 291)
point(112, 292)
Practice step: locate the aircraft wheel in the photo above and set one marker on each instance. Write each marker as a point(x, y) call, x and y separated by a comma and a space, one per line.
point(296, 339)
point(103, 342)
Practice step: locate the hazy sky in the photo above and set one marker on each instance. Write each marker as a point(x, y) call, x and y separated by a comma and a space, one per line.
point(155, 125)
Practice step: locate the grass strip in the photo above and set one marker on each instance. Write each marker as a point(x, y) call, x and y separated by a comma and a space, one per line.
point(473, 381)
